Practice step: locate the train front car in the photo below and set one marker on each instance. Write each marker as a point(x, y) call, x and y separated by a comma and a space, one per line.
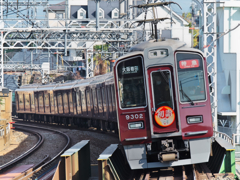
point(164, 112)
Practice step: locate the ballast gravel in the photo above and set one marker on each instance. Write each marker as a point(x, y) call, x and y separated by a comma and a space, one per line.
point(53, 143)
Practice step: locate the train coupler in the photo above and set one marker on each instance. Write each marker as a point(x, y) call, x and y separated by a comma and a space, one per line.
point(168, 153)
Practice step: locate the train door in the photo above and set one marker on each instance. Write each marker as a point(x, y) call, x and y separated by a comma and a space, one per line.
point(83, 102)
point(70, 99)
point(65, 103)
point(74, 94)
point(89, 112)
point(104, 99)
point(59, 102)
point(32, 103)
point(95, 105)
point(36, 102)
point(51, 103)
point(40, 98)
point(109, 102)
point(99, 98)
point(163, 107)
point(55, 102)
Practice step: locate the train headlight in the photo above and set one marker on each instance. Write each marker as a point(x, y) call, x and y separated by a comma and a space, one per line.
point(135, 125)
point(194, 119)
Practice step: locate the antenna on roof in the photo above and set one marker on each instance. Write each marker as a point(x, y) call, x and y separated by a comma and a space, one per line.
point(154, 21)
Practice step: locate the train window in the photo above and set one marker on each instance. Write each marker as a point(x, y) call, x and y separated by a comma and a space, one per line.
point(65, 100)
point(59, 96)
point(46, 99)
point(20, 97)
point(191, 77)
point(26, 100)
point(162, 89)
point(40, 97)
point(131, 83)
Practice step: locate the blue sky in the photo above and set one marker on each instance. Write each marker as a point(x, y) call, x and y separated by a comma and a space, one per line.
point(185, 4)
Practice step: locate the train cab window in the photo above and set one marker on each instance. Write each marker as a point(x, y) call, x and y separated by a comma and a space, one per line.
point(162, 89)
point(131, 83)
point(191, 77)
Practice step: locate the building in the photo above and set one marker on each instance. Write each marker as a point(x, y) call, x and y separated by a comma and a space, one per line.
point(178, 28)
point(228, 67)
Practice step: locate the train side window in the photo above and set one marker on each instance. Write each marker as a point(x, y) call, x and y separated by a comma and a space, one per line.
point(59, 96)
point(26, 100)
point(40, 97)
point(65, 101)
point(131, 83)
point(70, 98)
point(20, 97)
point(78, 100)
point(46, 99)
point(55, 102)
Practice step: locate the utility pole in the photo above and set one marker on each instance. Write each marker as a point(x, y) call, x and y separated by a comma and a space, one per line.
point(97, 14)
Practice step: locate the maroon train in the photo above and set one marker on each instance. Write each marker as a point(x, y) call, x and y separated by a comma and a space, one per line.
point(157, 97)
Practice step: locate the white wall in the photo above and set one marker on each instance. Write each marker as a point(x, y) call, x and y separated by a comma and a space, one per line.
point(179, 29)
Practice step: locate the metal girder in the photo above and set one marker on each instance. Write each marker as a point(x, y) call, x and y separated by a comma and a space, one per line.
point(210, 27)
point(56, 39)
point(22, 66)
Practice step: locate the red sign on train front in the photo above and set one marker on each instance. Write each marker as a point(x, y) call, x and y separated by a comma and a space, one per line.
point(192, 63)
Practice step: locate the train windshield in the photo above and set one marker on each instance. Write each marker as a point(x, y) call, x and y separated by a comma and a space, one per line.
point(131, 83)
point(191, 77)
point(162, 88)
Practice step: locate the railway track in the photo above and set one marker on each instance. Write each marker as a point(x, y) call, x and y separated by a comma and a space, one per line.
point(54, 125)
point(43, 166)
point(26, 154)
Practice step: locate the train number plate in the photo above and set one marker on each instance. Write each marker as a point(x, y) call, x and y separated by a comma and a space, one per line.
point(133, 116)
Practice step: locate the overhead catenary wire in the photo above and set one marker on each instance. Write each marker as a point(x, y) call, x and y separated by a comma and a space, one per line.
point(223, 34)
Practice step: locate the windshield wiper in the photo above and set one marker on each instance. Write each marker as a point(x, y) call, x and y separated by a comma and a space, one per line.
point(191, 102)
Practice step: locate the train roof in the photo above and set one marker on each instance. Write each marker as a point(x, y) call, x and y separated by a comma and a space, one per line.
point(174, 44)
point(67, 85)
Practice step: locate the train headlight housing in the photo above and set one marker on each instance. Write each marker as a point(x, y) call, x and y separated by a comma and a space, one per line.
point(194, 119)
point(135, 125)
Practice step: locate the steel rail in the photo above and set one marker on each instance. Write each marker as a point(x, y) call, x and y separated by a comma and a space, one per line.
point(41, 168)
point(22, 156)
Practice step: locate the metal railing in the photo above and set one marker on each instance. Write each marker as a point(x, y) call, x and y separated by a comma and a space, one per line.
point(223, 136)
